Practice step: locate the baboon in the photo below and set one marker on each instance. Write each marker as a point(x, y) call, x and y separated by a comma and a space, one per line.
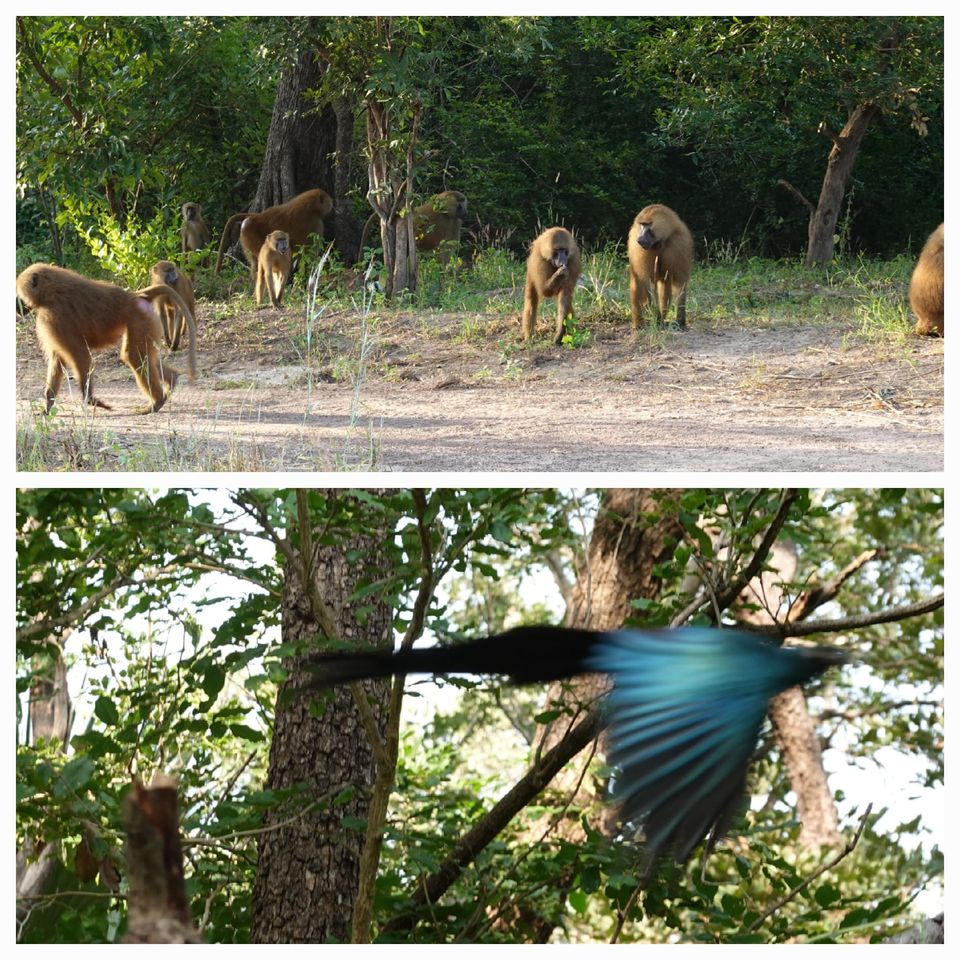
point(660, 251)
point(298, 218)
point(436, 224)
point(76, 315)
point(194, 233)
point(172, 319)
point(553, 267)
point(926, 287)
point(273, 267)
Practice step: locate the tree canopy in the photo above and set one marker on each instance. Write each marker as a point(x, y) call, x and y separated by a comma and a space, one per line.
point(577, 120)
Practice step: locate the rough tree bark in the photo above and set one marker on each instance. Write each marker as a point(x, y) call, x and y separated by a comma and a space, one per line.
point(308, 866)
point(309, 145)
point(793, 726)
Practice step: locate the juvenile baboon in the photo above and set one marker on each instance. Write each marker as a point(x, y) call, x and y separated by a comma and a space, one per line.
point(298, 218)
point(553, 267)
point(273, 267)
point(660, 251)
point(76, 315)
point(436, 224)
point(926, 286)
point(172, 319)
point(194, 233)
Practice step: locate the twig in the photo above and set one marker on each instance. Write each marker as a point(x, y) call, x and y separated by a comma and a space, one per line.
point(830, 864)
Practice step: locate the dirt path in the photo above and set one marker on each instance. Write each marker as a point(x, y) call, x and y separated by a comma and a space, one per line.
point(785, 396)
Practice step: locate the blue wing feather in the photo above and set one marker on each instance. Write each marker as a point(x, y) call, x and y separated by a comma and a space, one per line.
point(686, 710)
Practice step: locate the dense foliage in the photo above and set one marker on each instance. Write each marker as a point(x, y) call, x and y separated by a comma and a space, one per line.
point(166, 606)
point(537, 119)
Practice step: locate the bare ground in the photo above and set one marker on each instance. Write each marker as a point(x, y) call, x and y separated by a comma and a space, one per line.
point(436, 393)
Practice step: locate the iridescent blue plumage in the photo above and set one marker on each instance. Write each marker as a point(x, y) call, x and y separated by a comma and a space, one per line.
point(685, 710)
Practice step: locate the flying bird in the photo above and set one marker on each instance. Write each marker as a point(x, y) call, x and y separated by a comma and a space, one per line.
point(685, 709)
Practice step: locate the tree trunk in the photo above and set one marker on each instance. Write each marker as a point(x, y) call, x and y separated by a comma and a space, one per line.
point(846, 145)
point(308, 146)
point(308, 869)
point(624, 548)
point(792, 724)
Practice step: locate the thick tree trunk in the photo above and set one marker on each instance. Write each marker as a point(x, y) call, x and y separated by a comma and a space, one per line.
point(301, 140)
point(308, 870)
point(308, 146)
point(843, 154)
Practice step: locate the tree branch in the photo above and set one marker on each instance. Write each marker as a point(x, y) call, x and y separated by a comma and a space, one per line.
point(512, 802)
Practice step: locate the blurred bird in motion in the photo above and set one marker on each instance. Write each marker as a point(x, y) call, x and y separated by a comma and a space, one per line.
point(685, 710)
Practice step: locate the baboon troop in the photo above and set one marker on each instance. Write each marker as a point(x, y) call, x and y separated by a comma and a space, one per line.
point(76, 315)
point(273, 267)
point(926, 287)
point(660, 251)
point(172, 319)
point(194, 233)
point(553, 267)
point(298, 218)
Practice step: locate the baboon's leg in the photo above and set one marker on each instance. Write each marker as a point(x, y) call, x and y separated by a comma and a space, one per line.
point(663, 298)
point(530, 302)
point(682, 306)
point(639, 298)
point(146, 369)
point(54, 380)
point(178, 325)
point(564, 310)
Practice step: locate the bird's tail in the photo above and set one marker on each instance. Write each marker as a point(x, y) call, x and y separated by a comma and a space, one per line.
point(533, 654)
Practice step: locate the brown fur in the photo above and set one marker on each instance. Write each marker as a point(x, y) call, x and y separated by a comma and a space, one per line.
point(76, 315)
point(194, 233)
point(553, 267)
point(298, 218)
point(172, 319)
point(273, 267)
point(660, 251)
point(436, 224)
point(926, 287)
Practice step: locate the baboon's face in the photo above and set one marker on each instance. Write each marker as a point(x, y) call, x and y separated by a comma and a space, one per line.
point(281, 242)
point(561, 254)
point(170, 276)
point(190, 211)
point(648, 237)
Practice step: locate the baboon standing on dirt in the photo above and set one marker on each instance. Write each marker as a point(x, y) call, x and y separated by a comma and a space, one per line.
point(553, 267)
point(76, 315)
point(660, 251)
point(172, 319)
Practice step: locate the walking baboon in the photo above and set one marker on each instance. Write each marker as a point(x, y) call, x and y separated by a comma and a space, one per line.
point(660, 251)
point(436, 224)
point(926, 286)
point(273, 267)
point(553, 267)
point(172, 319)
point(76, 315)
point(298, 218)
point(194, 233)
